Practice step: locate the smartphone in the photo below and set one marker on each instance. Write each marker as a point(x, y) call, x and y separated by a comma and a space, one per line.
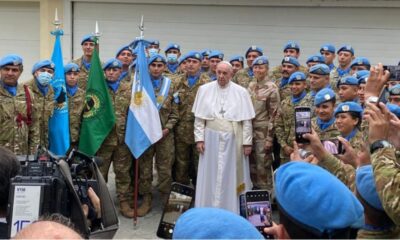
point(259, 211)
point(242, 205)
point(180, 200)
point(302, 123)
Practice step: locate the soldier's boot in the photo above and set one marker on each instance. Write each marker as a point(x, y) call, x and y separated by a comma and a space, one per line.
point(145, 207)
point(126, 210)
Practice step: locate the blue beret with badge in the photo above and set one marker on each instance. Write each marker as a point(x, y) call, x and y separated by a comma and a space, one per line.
point(395, 90)
point(291, 60)
point(324, 95)
point(213, 223)
point(42, 64)
point(205, 52)
point(318, 58)
point(297, 76)
point(316, 198)
point(11, 59)
point(327, 47)
point(153, 42)
point(71, 67)
point(237, 58)
point(181, 59)
point(393, 108)
point(193, 54)
point(291, 45)
point(87, 38)
point(365, 184)
point(346, 48)
point(172, 46)
point(112, 63)
point(261, 60)
point(320, 69)
point(254, 49)
point(345, 107)
point(127, 47)
point(348, 80)
point(360, 61)
point(216, 54)
point(362, 76)
point(157, 58)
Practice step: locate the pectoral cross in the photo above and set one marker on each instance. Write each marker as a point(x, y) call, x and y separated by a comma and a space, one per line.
point(222, 111)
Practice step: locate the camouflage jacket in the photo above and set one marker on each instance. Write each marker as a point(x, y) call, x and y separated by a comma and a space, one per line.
point(242, 77)
point(330, 133)
point(391, 233)
point(83, 74)
point(75, 109)
point(16, 134)
point(169, 110)
point(276, 72)
point(266, 102)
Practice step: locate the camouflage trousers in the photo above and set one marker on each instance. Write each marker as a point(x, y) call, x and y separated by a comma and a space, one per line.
point(187, 157)
point(163, 152)
point(261, 166)
point(121, 158)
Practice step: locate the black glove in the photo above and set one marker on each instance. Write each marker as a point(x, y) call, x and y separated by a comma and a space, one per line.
point(61, 97)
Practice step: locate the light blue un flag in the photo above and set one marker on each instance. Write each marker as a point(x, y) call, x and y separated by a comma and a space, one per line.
point(59, 122)
point(143, 127)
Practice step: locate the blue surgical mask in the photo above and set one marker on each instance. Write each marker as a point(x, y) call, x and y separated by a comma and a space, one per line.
point(44, 78)
point(152, 51)
point(172, 57)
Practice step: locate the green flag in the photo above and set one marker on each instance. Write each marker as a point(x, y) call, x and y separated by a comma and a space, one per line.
point(98, 114)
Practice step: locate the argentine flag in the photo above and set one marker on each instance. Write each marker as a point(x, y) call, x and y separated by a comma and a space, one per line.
point(143, 127)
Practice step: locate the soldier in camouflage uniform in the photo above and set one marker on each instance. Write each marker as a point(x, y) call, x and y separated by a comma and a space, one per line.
point(328, 51)
point(172, 53)
point(291, 49)
point(76, 98)
point(289, 66)
point(284, 123)
point(243, 77)
point(314, 60)
point(205, 63)
point(164, 149)
point(237, 63)
point(19, 131)
point(359, 64)
point(265, 98)
point(394, 95)
point(319, 78)
point(43, 106)
point(348, 89)
point(126, 56)
point(83, 62)
point(114, 148)
point(362, 77)
point(345, 56)
point(215, 57)
point(185, 147)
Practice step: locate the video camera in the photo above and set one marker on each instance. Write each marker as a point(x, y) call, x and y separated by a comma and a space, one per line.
point(50, 184)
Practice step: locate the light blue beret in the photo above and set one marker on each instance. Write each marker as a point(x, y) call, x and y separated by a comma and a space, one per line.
point(213, 223)
point(348, 80)
point(291, 60)
point(316, 58)
point(42, 64)
point(316, 198)
point(86, 38)
point(157, 58)
point(328, 47)
point(320, 69)
point(360, 61)
point(11, 59)
point(261, 60)
point(181, 59)
point(205, 52)
point(254, 49)
point(291, 45)
point(324, 95)
point(395, 90)
point(365, 184)
point(362, 76)
point(216, 54)
point(71, 67)
point(349, 107)
point(236, 58)
point(193, 54)
point(347, 48)
point(112, 63)
point(393, 108)
point(127, 47)
point(153, 42)
point(172, 46)
point(297, 76)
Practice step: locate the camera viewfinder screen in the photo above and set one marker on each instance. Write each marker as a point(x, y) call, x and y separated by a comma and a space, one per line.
point(259, 213)
point(303, 123)
point(177, 204)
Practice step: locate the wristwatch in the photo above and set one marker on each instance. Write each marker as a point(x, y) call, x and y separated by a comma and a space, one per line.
point(378, 145)
point(373, 99)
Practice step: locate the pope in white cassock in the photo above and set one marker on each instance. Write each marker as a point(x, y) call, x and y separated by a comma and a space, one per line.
point(223, 135)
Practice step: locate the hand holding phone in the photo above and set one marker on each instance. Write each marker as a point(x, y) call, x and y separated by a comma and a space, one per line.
point(258, 210)
point(302, 123)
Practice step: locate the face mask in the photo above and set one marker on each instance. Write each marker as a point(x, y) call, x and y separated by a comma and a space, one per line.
point(172, 57)
point(152, 51)
point(44, 78)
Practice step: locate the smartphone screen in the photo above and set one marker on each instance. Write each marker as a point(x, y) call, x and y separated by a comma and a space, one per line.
point(258, 210)
point(302, 123)
point(180, 200)
point(242, 204)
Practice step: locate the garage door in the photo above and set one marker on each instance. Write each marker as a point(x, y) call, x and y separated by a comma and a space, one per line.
point(233, 29)
point(19, 24)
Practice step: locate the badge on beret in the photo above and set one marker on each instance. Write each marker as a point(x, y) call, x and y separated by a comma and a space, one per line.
point(52, 65)
point(158, 59)
point(360, 62)
point(315, 59)
point(348, 47)
point(241, 59)
point(293, 45)
point(74, 69)
point(15, 62)
point(197, 55)
point(175, 46)
point(115, 64)
point(325, 48)
point(260, 61)
point(253, 47)
point(286, 59)
point(220, 56)
point(327, 97)
point(345, 108)
point(298, 77)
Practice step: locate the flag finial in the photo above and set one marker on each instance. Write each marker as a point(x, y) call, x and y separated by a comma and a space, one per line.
point(56, 21)
point(97, 33)
point(141, 28)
